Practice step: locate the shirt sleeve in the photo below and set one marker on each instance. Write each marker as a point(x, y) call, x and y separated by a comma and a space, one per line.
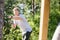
point(23, 17)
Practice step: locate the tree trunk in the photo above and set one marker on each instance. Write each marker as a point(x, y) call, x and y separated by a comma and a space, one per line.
point(1, 17)
point(33, 7)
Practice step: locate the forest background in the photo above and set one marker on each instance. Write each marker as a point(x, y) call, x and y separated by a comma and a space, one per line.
point(32, 13)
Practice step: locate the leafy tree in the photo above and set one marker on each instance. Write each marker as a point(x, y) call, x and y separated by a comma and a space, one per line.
point(53, 18)
point(14, 34)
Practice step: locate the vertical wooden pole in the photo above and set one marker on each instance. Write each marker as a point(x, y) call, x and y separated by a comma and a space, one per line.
point(1, 17)
point(45, 4)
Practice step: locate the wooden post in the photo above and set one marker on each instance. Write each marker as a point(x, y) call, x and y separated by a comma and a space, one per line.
point(1, 17)
point(45, 5)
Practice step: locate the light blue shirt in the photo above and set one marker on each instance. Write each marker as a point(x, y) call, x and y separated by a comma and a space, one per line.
point(23, 24)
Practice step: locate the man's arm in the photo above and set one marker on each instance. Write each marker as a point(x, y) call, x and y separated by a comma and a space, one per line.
point(14, 24)
point(17, 18)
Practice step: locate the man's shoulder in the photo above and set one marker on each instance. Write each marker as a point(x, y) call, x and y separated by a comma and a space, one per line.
point(21, 15)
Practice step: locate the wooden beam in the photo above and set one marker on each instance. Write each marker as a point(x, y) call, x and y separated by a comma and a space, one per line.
point(45, 6)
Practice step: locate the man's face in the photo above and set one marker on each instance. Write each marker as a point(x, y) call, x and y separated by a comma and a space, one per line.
point(16, 12)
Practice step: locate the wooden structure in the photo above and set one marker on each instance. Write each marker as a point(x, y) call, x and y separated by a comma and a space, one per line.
point(45, 4)
point(1, 17)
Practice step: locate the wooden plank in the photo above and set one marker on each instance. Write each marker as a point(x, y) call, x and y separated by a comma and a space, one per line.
point(45, 6)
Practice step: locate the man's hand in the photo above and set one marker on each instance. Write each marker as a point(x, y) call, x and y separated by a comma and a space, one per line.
point(14, 25)
point(9, 16)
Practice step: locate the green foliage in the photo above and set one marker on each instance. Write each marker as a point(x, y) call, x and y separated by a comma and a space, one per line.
point(54, 17)
point(10, 33)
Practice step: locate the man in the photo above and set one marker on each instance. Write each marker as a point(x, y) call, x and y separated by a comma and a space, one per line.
point(19, 19)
